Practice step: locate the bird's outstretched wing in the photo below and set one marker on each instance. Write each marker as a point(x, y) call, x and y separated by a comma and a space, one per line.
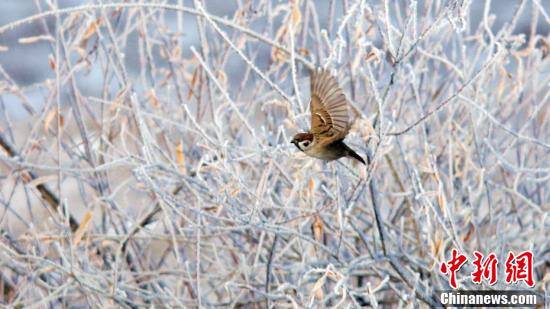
point(329, 108)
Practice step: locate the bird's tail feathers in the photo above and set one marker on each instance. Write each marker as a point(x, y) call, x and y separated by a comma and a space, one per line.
point(354, 155)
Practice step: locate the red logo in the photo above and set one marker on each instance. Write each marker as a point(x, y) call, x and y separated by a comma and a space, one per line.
point(485, 269)
point(452, 266)
point(518, 268)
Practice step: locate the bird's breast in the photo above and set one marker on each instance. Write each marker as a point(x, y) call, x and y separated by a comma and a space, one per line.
point(327, 152)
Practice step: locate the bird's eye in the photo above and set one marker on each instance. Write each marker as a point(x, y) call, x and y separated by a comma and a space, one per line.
point(305, 143)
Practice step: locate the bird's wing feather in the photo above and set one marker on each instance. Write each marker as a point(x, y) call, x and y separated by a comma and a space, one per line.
point(329, 108)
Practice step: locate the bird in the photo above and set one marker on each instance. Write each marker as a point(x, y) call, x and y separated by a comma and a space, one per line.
point(329, 120)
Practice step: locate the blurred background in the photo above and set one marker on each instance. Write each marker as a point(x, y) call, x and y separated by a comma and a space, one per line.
point(27, 63)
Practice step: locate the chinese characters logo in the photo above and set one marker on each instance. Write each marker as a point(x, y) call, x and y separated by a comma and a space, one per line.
point(518, 268)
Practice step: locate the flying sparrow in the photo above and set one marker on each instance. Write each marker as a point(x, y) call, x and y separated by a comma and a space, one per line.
point(329, 121)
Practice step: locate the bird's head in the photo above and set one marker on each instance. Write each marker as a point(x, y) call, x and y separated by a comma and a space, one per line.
point(302, 140)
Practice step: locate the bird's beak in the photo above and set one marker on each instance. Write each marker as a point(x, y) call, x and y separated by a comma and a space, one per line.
point(295, 142)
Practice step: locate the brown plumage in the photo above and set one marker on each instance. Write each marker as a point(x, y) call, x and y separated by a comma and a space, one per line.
point(329, 120)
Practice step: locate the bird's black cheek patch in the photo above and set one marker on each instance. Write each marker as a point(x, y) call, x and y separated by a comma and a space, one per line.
point(297, 146)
